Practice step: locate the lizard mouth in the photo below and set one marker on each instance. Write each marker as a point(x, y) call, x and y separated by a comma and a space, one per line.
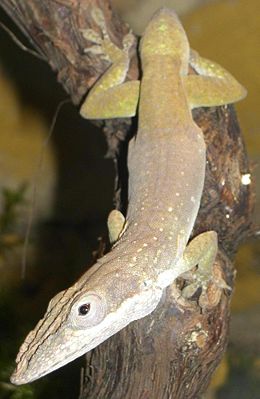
point(24, 375)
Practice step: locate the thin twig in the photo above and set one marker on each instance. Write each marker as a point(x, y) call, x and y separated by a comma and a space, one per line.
point(35, 185)
point(20, 44)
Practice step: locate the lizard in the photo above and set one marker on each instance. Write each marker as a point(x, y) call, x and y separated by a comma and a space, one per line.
point(166, 162)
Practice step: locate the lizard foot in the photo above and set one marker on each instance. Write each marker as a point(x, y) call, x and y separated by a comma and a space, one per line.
point(200, 269)
point(102, 44)
point(211, 286)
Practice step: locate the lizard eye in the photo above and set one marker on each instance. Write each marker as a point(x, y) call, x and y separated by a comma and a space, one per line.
point(88, 311)
point(84, 309)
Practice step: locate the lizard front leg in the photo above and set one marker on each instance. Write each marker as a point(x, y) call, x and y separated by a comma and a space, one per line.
point(111, 96)
point(201, 252)
point(213, 86)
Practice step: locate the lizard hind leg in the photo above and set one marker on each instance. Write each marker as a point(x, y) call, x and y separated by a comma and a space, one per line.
point(111, 96)
point(213, 86)
point(119, 101)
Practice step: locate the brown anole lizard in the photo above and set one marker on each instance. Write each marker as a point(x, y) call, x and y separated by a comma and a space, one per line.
point(166, 162)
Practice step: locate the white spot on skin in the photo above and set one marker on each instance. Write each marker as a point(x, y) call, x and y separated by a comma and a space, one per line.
point(182, 173)
point(227, 216)
point(134, 258)
point(192, 199)
point(246, 179)
point(155, 238)
point(177, 194)
point(144, 244)
point(176, 218)
point(160, 229)
point(170, 209)
point(139, 250)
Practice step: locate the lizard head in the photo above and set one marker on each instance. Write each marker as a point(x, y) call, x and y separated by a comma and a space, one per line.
point(165, 36)
point(82, 317)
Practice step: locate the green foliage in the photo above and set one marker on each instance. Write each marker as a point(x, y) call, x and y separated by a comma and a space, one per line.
point(10, 391)
point(12, 200)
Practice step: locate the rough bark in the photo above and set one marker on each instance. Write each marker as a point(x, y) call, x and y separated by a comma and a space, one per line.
point(173, 352)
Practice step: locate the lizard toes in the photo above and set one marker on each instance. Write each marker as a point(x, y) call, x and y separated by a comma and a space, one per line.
point(190, 290)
